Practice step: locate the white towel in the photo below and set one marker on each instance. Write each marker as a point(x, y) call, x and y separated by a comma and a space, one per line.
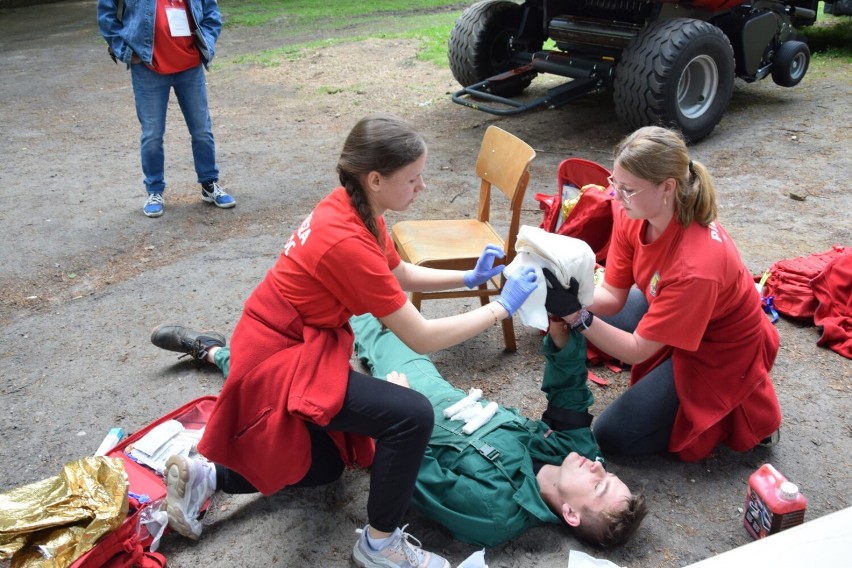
point(565, 256)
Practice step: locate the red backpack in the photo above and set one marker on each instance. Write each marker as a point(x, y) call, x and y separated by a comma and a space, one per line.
point(591, 217)
point(590, 220)
point(789, 282)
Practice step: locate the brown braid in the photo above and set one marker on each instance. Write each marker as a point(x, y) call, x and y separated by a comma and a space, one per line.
point(380, 143)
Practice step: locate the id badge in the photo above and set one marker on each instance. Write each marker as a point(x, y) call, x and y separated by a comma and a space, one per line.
point(178, 22)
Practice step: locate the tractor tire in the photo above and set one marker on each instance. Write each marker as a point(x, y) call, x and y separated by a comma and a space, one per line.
point(790, 63)
point(676, 73)
point(480, 44)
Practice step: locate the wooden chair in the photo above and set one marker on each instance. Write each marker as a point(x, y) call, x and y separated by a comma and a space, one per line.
point(503, 163)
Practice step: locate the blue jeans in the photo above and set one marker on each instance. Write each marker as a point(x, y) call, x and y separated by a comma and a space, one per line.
point(151, 90)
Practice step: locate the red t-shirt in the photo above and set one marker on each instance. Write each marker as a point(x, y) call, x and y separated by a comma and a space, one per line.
point(173, 54)
point(691, 278)
point(332, 267)
point(702, 302)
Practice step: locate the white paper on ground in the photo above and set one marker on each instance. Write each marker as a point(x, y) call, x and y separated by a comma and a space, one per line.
point(475, 560)
point(577, 559)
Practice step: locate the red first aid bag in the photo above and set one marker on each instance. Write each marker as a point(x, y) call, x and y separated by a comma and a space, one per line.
point(129, 545)
point(591, 217)
point(789, 282)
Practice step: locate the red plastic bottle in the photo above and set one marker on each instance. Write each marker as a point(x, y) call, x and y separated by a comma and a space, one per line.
point(772, 503)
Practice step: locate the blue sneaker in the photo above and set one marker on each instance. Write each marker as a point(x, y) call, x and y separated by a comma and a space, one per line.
point(211, 192)
point(153, 205)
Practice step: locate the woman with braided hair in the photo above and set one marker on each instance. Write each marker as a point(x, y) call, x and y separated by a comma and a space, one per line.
point(293, 411)
point(679, 305)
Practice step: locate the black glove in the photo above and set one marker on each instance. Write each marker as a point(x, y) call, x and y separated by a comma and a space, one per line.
point(561, 301)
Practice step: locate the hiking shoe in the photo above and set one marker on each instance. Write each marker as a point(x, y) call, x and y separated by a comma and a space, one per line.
point(397, 553)
point(212, 192)
point(771, 439)
point(188, 341)
point(188, 488)
point(153, 205)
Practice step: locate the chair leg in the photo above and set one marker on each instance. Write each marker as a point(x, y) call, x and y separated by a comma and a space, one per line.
point(416, 298)
point(509, 335)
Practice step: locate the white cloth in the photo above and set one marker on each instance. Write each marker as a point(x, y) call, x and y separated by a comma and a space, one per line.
point(565, 256)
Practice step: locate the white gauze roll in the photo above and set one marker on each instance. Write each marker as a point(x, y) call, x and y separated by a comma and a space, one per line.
point(472, 396)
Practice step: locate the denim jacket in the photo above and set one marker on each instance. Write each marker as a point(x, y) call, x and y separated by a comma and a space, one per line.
point(135, 32)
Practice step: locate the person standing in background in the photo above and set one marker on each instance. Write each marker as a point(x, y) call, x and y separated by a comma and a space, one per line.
point(167, 44)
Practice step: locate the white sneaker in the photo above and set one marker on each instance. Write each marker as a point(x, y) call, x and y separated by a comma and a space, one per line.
point(397, 553)
point(187, 490)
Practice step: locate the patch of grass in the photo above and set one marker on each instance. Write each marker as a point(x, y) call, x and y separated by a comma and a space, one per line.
point(432, 30)
point(301, 13)
point(274, 57)
point(830, 36)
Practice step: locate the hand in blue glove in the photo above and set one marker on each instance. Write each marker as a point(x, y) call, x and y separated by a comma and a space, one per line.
point(518, 287)
point(485, 269)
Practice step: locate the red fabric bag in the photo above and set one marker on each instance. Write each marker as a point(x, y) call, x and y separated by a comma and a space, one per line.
point(591, 218)
point(128, 546)
point(789, 282)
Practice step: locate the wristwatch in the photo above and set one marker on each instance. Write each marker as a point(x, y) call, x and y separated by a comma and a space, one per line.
point(585, 319)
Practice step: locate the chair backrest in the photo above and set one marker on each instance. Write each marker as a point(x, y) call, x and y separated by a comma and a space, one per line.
point(503, 162)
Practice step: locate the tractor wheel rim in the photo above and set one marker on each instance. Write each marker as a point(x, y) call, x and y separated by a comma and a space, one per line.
point(697, 87)
point(797, 66)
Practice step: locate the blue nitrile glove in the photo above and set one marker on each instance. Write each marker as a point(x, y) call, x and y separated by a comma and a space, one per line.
point(518, 287)
point(485, 269)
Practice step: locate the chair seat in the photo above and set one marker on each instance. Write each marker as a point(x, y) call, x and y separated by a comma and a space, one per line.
point(446, 243)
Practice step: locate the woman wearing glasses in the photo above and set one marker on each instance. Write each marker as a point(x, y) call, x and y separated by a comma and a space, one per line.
point(679, 305)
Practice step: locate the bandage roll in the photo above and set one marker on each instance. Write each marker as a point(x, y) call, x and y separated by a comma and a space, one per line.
point(466, 414)
point(469, 400)
point(481, 419)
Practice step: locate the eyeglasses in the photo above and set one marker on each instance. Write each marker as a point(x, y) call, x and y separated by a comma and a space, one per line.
point(626, 194)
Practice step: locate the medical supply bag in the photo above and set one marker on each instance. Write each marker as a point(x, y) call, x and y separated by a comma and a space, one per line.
point(129, 545)
point(789, 282)
point(582, 206)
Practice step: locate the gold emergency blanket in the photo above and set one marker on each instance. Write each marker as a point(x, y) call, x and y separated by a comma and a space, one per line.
point(53, 522)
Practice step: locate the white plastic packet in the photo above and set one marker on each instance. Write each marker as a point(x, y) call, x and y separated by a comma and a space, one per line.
point(577, 559)
point(475, 560)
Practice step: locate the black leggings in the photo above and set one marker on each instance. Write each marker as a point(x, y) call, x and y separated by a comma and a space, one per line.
point(398, 418)
point(639, 421)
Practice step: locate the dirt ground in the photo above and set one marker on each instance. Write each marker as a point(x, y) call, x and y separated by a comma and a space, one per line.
point(85, 275)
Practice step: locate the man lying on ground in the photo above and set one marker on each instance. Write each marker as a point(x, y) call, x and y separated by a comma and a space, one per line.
point(511, 474)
